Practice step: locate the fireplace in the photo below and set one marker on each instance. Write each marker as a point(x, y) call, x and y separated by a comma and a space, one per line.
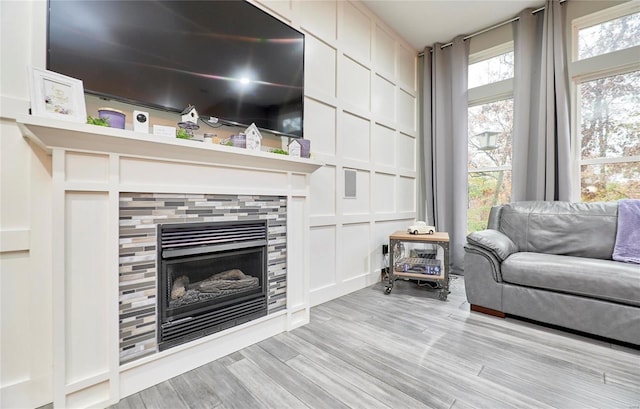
point(211, 276)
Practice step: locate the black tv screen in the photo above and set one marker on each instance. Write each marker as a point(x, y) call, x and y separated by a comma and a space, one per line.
point(229, 59)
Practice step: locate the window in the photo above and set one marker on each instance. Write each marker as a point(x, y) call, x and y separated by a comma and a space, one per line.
point(490, 124)
point(491, 70)
point(610, 137)
point(489, 145)
point(609, 36)
point(607, 101)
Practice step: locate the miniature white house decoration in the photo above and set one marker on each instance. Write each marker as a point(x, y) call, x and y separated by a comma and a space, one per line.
point(294, 148)
point(190, 114)
point(253, 138)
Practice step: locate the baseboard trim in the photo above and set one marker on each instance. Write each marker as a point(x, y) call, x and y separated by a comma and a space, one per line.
point(488, 311)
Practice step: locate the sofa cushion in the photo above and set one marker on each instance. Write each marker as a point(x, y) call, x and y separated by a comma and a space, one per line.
point(572, 229)
point(603, 279)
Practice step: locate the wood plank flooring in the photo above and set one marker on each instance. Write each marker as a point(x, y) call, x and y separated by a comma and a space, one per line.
point(409, 350)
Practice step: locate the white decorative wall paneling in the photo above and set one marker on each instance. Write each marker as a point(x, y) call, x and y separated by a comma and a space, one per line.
point(360, 114)
point(90, 167)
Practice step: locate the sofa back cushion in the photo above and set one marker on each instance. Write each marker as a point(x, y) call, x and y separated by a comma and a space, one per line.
point(572, 229)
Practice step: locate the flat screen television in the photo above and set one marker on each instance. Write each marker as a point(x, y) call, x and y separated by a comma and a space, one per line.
point(231, 60)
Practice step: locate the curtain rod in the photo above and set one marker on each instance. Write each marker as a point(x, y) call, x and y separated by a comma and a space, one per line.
point(516, 18)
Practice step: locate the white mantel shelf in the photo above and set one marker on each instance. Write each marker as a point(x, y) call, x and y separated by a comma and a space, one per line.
point(52, 134)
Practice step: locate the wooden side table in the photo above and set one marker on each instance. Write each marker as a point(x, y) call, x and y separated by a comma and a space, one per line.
point(442, 277)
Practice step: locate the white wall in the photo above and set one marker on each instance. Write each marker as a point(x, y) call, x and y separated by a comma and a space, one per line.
point(25, 221)
point(360, 113)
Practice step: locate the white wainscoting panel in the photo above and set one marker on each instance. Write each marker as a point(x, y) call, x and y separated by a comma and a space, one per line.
point(383, 200)
point(354, 85)
point(356, 32)
point(318, 17)
point(322, 257)
point(383, 146)
point(383, 100)
point(384, 53)
point(320, 68)
point(137, 171)
point(15, 328)
point(281, 7)
point(354, 261)
point(406, 108)
point(354, 134)
point(323, 189)
point(86, 280)
point(320, 127)
point(407, 146)
point(299, 182)
point(297, 284)
point(407, 65)
point(361, 203)
point(14, 158)
point(86, 167)
point(406, 194)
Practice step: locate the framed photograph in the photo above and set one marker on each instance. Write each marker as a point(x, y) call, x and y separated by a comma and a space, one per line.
point(57, 96)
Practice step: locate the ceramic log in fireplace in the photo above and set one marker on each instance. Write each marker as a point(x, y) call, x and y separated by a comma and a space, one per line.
point(212, 276)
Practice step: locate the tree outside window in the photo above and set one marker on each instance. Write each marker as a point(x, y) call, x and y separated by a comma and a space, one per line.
point(609, 36)
point(610, 137)
point(609, 112)
point(489, 181)
point(490, 123)
point(491, 70)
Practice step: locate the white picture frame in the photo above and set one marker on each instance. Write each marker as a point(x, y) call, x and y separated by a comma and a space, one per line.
point(57, 96)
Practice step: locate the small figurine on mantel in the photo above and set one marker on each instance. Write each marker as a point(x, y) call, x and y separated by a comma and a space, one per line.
point(253, 138)
point(295, 148)
point(189, 114)
point(189, 120)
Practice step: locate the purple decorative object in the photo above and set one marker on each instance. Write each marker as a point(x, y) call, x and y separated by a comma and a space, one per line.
point(628, 235)
point(305, 147)
point(115, 117)
point(239, 141)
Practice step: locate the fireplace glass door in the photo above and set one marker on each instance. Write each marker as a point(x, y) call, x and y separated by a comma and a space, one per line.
point(194, 284)
point(211, 276)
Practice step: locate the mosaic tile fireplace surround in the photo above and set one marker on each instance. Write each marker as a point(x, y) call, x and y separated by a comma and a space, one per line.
point(140, 213)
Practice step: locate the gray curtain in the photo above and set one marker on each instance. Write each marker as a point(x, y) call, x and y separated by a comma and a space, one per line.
point(541, 133)
point(445, 144)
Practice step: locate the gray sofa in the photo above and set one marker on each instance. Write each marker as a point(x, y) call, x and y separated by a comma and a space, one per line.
point(551, 262)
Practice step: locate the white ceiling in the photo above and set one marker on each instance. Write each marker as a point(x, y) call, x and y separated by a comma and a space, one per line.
point(424, 22)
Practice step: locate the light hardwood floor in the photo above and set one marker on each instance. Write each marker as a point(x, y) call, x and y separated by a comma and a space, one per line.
point(409, 350)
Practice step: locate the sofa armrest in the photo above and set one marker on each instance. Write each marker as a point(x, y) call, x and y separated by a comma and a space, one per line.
point(482, 278)
point(479, 259)
point(484, 252)
point(494, 242)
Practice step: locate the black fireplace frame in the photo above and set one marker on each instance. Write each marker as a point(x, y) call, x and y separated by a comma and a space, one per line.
point(211, 240)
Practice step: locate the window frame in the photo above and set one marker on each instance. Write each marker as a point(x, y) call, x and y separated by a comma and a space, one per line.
point(493, 92)
point(488, 93)
point(593, 68)
point(599, 17)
